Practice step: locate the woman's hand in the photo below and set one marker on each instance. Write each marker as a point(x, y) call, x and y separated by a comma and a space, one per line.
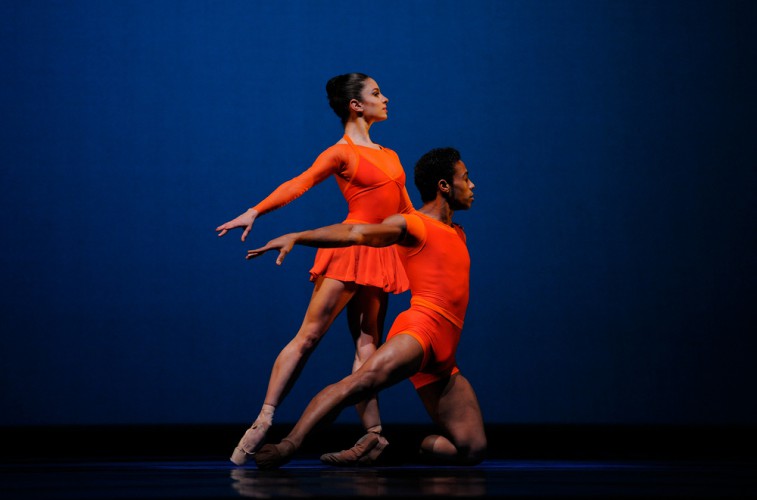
point(246, 220)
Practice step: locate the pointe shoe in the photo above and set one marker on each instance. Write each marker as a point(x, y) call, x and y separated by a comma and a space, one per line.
point(273, 456)
point(250, 442)
point(365, 452)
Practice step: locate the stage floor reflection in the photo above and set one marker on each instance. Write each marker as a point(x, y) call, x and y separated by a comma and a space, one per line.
point(308, 478)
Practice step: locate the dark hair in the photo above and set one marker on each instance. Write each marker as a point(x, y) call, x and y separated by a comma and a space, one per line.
point(432, 167)
point(342, 89)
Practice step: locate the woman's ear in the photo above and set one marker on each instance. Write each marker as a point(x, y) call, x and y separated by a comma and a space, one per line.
point(356, 105)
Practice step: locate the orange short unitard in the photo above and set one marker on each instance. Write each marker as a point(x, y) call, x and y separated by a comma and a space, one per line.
point(439, 271)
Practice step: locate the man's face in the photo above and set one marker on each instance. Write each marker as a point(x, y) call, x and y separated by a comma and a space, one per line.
point(461, 194)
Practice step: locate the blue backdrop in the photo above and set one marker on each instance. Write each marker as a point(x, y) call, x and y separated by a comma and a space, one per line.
point(613, 235)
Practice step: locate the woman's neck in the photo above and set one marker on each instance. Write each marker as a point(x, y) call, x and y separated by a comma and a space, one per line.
point(358, 132)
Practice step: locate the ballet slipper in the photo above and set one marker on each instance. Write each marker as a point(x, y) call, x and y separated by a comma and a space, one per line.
point(273, 456)
point(250, 442)
point(375, 453)
point(365, 452)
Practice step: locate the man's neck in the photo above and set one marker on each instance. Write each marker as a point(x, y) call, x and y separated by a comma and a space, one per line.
point(438, 209)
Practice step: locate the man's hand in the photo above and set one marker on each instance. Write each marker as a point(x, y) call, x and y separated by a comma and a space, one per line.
point(283, 244)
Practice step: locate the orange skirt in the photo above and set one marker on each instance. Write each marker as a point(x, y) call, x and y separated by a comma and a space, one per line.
point(379, 267)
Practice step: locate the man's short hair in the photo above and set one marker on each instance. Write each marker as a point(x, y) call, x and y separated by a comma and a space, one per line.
point(437, 164)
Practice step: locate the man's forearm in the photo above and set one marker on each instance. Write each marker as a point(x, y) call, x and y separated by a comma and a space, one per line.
point(345, 235)
point(337, 235)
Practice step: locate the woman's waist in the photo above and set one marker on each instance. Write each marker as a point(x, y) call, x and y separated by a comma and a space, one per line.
point(362, 219)
point(375, 212)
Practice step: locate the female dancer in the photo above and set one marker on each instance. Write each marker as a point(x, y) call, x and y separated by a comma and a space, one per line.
point(372, 181)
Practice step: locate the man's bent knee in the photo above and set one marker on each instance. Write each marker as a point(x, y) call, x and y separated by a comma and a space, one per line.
point(472, 452)
point(365, 380)
point(476, 454)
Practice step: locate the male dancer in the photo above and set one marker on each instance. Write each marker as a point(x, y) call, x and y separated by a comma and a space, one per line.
point(422, 342)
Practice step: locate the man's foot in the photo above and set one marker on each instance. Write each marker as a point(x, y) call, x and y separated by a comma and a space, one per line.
point(250, 442)
point(273, 456)
point(365, 452)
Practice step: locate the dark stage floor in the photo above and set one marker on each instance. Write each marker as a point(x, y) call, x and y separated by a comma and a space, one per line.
point(309, 478)
point(525, 462)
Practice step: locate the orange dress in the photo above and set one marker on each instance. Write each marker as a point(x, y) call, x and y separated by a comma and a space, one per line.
point(439, 271)
point(372, 182)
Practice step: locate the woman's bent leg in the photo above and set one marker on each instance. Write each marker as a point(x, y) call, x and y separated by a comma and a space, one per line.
point(365, 314)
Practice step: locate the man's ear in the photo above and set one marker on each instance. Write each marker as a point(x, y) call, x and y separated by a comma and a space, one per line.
point(443, 186)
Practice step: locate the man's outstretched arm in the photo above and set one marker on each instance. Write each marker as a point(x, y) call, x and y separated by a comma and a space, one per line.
point(389, 232)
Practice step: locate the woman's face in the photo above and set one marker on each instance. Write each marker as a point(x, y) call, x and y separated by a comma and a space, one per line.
point(373, 101)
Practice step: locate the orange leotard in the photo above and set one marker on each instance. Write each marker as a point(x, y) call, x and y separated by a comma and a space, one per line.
point(439, 271)
point(372, 182)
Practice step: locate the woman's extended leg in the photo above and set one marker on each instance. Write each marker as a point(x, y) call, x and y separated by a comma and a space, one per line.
point(327, 301)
